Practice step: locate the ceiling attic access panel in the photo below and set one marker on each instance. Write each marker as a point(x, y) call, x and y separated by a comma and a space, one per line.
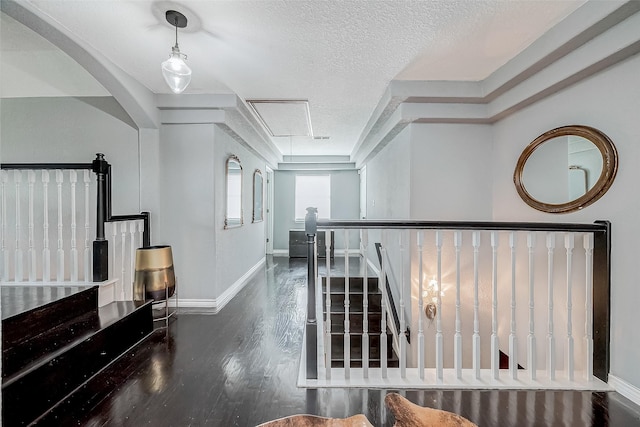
point(283, 118)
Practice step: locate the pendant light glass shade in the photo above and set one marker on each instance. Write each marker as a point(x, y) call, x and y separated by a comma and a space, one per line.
point(176, 72)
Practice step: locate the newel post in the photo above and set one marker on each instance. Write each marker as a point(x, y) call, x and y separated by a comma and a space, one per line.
point(602, 301)
point(101, 246)
point(311, 228)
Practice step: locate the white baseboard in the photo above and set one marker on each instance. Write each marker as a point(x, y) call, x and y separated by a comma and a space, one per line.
point(196, 306)
point(336, 252)
point(213, 306)
point(352, 252)
point(629, 391)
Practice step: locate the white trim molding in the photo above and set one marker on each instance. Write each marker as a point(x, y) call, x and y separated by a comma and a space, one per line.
point(629, 391)
point(107, 292)
point(214, 305)
point(281, 252)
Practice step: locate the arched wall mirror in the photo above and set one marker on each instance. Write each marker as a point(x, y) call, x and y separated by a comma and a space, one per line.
point(257, 196)
point(233, 217)
point(566, 169)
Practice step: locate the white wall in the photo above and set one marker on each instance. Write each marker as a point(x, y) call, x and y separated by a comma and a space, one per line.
point(187, 218)
point(208, 259)
point(389, 180)
point(69, 129)
point(237, 249)
point(345, 204)
point(607, 101)
point(450, 172)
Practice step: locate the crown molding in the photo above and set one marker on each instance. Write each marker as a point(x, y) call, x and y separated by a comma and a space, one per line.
point(595, 37)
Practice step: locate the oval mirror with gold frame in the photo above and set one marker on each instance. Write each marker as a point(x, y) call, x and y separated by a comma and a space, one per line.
point(566, 169)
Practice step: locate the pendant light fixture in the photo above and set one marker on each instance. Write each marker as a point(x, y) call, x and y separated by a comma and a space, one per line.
point(175, 71)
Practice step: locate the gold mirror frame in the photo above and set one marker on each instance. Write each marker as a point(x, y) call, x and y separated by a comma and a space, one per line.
point(609, 168)
point(232, 222)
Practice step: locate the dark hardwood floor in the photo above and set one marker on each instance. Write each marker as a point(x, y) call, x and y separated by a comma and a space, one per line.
point(239, 368)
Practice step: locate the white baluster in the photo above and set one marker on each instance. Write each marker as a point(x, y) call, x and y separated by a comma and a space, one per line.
point(475, 241)
point(141, 233)
point(588, 309)
point(88, 271)
point(495, 342)
point(439, 337)
point(420, 240)
point(383, 322)
point(551, 340)
point(569, 242)
point(132, 257)
point(513, 339)
point(46, 252)
point(457, 346)
point(60, 253)
point(401, 332)
point(123, 262)
point(315, 256)
point(31, 254)
point(4, 179)
point(19, 274)
point(347, 302)
point(531, 341)
point(327, 335)
point(73, 179)
point(112, 245)
point(365, 305)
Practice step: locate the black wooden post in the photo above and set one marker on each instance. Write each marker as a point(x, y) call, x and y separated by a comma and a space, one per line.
point(101, 245)
point(601, 301)
point(146, 234)
point(311, 228)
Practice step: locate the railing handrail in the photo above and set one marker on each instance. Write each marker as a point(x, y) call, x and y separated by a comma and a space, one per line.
point(392, 304)
point(326, 224)
point(45, 166)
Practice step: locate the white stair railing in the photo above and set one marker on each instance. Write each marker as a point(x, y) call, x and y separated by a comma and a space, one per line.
point(531, 338)
point(347, 303)
point(124, 238)
point(35, 214)
point(27, 214)
point(497, 301)
point(364, 239)
point(327, 320)
point(457, 346)
point(495, 340)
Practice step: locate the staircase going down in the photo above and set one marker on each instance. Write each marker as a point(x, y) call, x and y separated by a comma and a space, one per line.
point(356, 318)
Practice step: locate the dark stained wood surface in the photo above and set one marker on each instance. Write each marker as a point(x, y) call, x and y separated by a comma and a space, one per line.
point(239, 368)
point(18, 299)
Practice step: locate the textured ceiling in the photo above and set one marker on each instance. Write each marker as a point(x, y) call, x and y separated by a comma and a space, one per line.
point(340, 55)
